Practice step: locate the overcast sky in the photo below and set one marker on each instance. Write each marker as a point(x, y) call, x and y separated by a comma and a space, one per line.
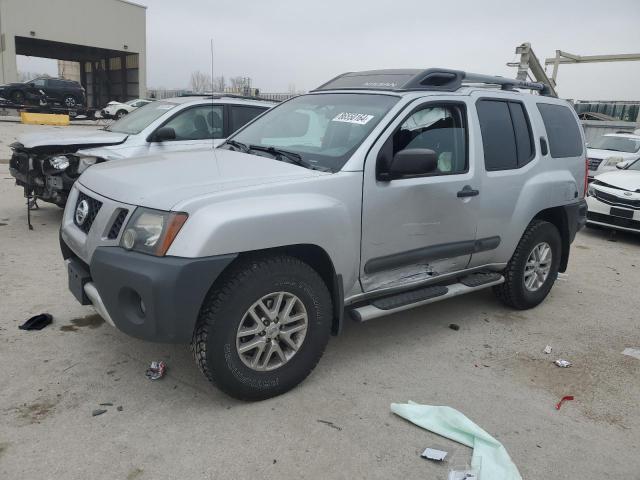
point(283, 42)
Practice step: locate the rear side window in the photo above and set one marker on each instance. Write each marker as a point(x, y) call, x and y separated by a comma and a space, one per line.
point(562, 130)
point(240, 116)
point(506, 134)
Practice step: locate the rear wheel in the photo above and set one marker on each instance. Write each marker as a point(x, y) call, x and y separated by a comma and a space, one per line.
point(264, 328)
point(533, 268)
point(120, 114)
point(70, 101)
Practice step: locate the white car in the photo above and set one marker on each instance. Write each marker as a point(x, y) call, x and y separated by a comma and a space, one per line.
point(614, 198)
point(607, 151)
point(119, 109)
point(47, 164)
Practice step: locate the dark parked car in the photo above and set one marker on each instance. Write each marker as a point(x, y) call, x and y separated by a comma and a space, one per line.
point(57, 90)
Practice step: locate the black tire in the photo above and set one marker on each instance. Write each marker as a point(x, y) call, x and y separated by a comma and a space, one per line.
point(214, 339)
point(513, 291)
point(120, 114)
point(70, 101)
point(18, 97)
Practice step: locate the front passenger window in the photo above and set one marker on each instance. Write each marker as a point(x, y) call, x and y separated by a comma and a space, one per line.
point(198, 123)
point(439, 128)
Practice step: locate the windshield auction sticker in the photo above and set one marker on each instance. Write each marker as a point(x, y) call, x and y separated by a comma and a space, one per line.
point(358, 118)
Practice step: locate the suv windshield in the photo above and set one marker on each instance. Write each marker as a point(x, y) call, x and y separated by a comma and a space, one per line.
point(141, 118)
point(322, 129)
point(617, 144)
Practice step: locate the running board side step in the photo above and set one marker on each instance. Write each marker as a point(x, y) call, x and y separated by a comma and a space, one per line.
point(424, 296)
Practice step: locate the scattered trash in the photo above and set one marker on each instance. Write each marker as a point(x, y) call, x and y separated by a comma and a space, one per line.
point(156, 370)
point(100, 411)
point(106, 404)
point(632, 352)
point(331, 424)
point(462, 475)
point(547, 349)
point(119, 408)
point(434, 454)
point(563, 363)
point(37, 323)
point(454, 326)
point(490, 459)
point(566, 398)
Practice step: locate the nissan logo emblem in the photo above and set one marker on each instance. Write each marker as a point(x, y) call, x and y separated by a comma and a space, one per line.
point(82, 212)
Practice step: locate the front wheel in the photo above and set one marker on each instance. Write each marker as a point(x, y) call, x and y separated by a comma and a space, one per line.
point(18, 97)
point(120, 114)
point(533, 268)
point(263, 328)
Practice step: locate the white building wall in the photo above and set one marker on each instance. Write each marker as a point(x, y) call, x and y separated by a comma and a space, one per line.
point(109, 24)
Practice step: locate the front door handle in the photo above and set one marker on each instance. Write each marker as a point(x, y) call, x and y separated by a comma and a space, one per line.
point(467, 191)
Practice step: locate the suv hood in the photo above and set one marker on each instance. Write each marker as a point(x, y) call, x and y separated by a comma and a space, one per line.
point(82, 139)
point(602, 154)
point(624, 179)
point(162, 181)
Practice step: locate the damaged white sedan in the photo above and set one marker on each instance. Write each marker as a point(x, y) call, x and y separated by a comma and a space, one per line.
point(614, 199)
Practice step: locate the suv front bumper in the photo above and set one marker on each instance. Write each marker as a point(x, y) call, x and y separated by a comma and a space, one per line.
point(152, 298)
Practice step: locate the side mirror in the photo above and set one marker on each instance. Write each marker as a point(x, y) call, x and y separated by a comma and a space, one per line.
point(622, 165)
point(163, 134)
point(411, 162)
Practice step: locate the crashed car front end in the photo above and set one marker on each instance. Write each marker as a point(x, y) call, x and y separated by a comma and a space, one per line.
point(47, 176)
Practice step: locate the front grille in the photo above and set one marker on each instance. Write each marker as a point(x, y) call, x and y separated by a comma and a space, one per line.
point(594, 163)
point(611, 220)
point(616, 200)
point(116, 226)
point(93, 209)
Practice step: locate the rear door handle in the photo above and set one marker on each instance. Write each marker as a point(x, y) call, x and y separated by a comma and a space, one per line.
point(467, 191)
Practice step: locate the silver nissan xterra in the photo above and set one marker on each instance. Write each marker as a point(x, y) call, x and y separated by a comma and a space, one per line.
point(377, 192)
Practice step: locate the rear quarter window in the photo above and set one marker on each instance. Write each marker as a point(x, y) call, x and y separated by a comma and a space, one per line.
point(562, 129)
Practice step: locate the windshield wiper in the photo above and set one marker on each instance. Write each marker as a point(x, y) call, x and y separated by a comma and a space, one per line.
point(238, 145)
point(292, 157)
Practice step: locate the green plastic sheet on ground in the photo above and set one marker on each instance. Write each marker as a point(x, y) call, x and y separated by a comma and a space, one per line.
point(495, 463)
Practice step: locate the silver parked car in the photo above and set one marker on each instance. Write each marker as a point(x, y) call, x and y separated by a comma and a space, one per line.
point(47, 164)
point(378, 192)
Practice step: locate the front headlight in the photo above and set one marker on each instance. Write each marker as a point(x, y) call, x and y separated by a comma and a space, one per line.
point(591, 191)
point(59, 163)
point(86, 162)
point(612, 161)
point(152, 231)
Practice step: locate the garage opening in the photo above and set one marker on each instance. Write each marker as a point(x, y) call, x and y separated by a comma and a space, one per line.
point(105, 74)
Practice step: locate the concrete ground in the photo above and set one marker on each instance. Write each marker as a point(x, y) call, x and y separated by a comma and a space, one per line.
point(337, 424)
point(11, 129)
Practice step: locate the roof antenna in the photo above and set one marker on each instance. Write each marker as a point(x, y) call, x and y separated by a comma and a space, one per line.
point(213, 134)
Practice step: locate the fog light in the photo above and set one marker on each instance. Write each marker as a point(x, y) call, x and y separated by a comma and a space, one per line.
point(129, 238)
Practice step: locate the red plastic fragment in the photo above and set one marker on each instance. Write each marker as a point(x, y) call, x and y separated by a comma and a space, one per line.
point(566, 398)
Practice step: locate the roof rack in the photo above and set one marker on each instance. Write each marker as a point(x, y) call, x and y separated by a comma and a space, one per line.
point(432, 79)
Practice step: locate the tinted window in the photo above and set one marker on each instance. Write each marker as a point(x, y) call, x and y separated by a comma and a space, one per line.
point(198, 123)
point(524, 140)
point(500, 151)
point(38, 82)
point(562, 130)
point(240, 116)
point(506, 135)
point(439, 128)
